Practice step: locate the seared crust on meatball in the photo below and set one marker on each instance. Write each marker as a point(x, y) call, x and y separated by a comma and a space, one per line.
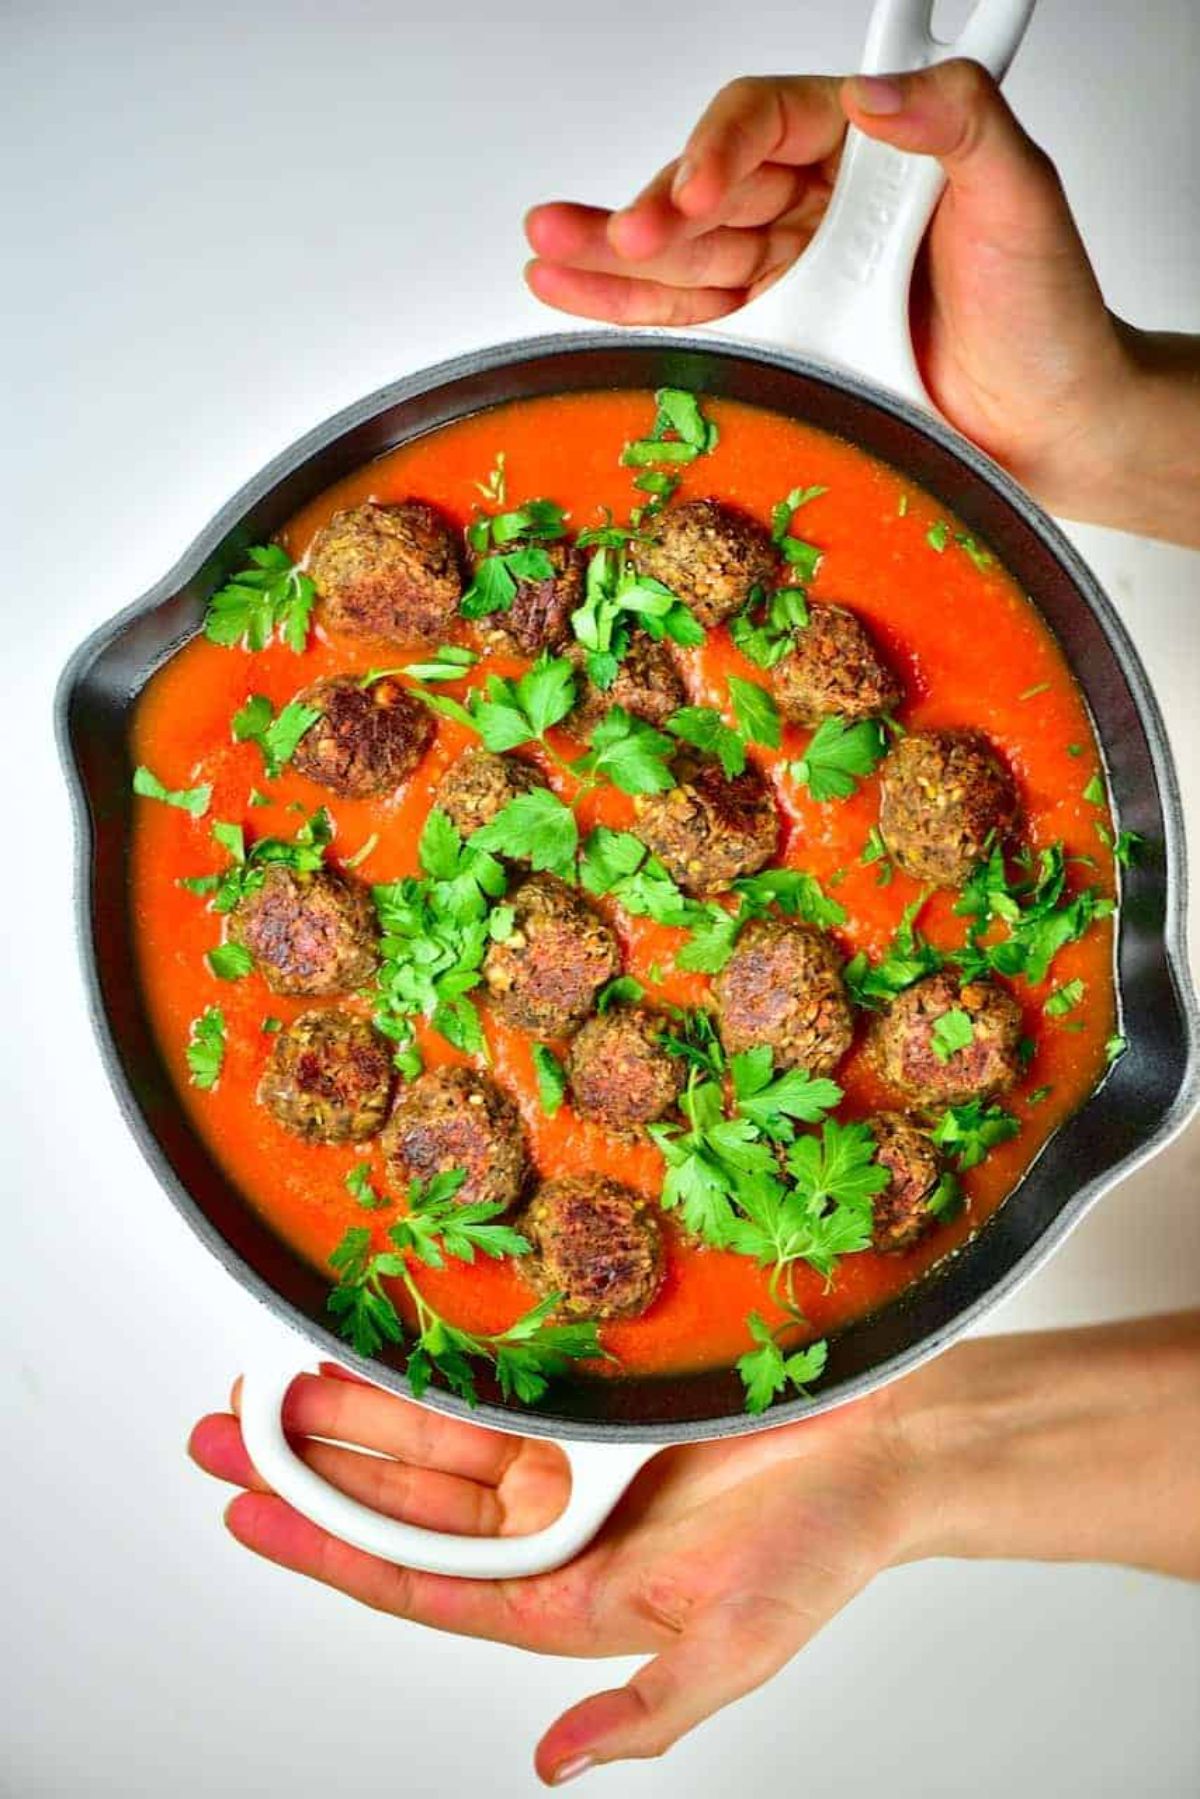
point(942, 796)
point(709, 829)
point(540, 615)
point(832, 670)
point(545, 974)
point(648, 685)
point(451, 1118)
point(367, 740)
point(388, 571)
point(905, 1048)
point(329, 1078)
point(311, 935)
point(475, 789)
point(901, 1211)
point(783, 986)
point(595, 1243)
point(710, 555)
point(620, 1073)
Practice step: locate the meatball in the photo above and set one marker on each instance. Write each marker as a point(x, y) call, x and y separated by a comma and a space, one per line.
point(619, 1071)
point(540, 615)
point(942, 796)
point(783, 986)
point(832, 670)
point(924, 1062)
point(648, 685)
point(476, 788)
point(595, 1243)
point(367, 740)
point(710, 556)
point(329, 1078)
point(709, 829)
point(901, 1211)
point(311, 935)
point(543, 977)
point(455, 1118)
point(387, 571)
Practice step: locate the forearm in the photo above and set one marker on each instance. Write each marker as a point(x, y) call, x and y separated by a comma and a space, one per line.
point(1079, 1445)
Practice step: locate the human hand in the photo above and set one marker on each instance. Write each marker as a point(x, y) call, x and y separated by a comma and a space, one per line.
point(1011, 332)
point(720, 1563)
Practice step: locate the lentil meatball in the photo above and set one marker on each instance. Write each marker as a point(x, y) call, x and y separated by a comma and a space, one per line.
point(832, 670)
point(620, 1073)
point(540, 615)
point(476, 788)
point(388, 571)
point(648, 685)
point(905, 1048)
point(942, 796)
point(901, 1211)
point(710, 556)
point(783, 986)
point(709, 829)
point(545, 974)
point(311, 935)
point(367, 741)
point(329, 1078)
point(456, 1118)
point(595, 1243)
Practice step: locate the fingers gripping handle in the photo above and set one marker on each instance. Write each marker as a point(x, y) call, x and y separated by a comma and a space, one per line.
point(847, 300)
point(600, 1472)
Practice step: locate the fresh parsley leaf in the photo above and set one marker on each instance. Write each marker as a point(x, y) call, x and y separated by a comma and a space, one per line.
point(876, 850)
point(938, 535)
point(765, 628)
point(192, 800)
point(1041, 918)
point(451, 663)
point(629, 753)
point(909, 958)
point(969, 1131)
point(766, 1371)
point(951, 1033)
point(772, 1101)
point(270, 596)
point(522, 711)
point(1064, 999)
point(535, 827)
point(1094, 793)
point(680, 432)
point(361, 1188)
point(551, 1080)
point(796, 892)
point(277, 737)
point(694, 1039)
point(206, 1048)
point(622, 990)
point(230, 961)
point(438, 1224)
point(839, 755)
point(756, 713)
point(805, 558)
point(1116, 1046)
point(705, 729)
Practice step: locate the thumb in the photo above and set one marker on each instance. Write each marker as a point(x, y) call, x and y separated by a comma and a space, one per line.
point(725, 1653)
point(955, 112)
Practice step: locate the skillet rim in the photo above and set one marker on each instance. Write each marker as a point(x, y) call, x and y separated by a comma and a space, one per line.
point(982, 469)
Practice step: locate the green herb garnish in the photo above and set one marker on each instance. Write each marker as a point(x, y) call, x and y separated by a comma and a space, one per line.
point(192, 800)
point(951, 1033)
point(680, 432)
point(273, 595)
point(839, 755)
point(278, 737)
point(206, 1048)
point(766, 1370)
point(551, 1079)
point(230, 961)
point(969, 1131)
point(362, 1189)
point(1064, 999)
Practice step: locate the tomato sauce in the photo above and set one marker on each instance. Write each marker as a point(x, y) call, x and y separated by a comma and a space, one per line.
point(971, 649)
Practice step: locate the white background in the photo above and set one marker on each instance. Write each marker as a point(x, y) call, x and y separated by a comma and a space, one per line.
point(224, 222)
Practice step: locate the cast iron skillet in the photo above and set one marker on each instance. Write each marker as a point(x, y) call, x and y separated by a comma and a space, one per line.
point(853, 282)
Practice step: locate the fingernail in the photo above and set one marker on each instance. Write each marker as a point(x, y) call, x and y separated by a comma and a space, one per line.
point(878, 94)
point(571, 1770)
point(683, 175)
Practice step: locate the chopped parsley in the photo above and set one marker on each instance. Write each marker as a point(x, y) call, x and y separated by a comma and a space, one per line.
point(450, 663)
point(206, 1048)
point(766, 1370)
point(969, 1131)
point(1094, 793)
point(192, 800)
point(277, 736)
point(622, 990)
point(271, 596)
point(938, 535)
point(551, 1079)
point(908, 959)
point(951, 1033)
point(679, 435)
point(804, 558)
point(876, 850)
point(839, 755)
point(617, 600)
point(628, 753)
point(230, 961)
point(1116, 1046)
point(1039, 915)
point(535, 827)
point(757, 721)
point(1064, 999)
point(765, 627)
point(247, 869)
point(362, 1189)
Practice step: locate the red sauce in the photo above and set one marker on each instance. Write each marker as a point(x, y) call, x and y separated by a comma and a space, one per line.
point(969, 646)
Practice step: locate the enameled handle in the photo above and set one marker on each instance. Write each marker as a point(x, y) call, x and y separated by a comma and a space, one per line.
point(846, 301)
point(600, 1473)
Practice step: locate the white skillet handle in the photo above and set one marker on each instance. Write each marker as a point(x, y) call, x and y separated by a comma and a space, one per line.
point(846, 302)
point(600, 1473)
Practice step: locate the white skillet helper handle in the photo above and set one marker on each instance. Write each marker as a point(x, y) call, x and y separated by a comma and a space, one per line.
point(846, 303)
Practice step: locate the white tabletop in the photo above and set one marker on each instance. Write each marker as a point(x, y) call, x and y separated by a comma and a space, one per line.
point(227, 222)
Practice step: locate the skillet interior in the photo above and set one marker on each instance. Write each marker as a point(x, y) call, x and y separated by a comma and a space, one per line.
point(1146, 1097)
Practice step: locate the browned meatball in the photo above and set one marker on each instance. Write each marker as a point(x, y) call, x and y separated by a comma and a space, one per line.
point(832, 670)
point(540, 615)
point(595, 1243)
point(942, 796)
point(329, 1078)
point(312, 935)
point(620, 1073)
point(710, 556)
point(917, 1054)
point(453, 1118)
point(901, 1211)
point(648, 685)
point(367, 740)
point(388, 571)
point(476, 788)
point(545, 974)
point(783, 986)
point(709, 829)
